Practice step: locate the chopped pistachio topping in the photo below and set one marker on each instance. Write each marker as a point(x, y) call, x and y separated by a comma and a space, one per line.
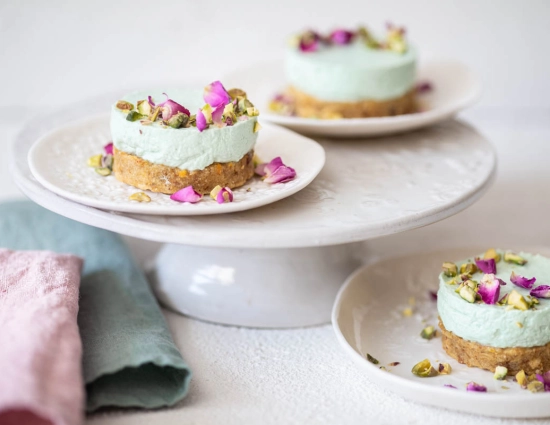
point(424, 369)
point(236, 93)
point(428, 332)
point(521, 378)
point(252, 111)
point(444, 369)
point(450, 269)
point(95, 161)
point(134, 116)
point(412, 301)
point(492, 253)
point(144, 107)
point(500, 373)
point(468, 268)
point(519, 324)
point(257, 127)
point(535, 387)
point(394, 364)
point(372, 359)
point(178, 120)
point(154, 114)
point(516, 300)
point(467, 293)
point(140, 197)
point(124, 106)
point(408, 312)
point(510, 257)
point(103, 171)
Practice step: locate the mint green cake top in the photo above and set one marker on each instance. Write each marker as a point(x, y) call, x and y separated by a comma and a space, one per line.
point(517, 321)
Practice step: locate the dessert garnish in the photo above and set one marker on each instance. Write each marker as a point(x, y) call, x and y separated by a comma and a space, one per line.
point(424, 369)
point(468, 290)
point(472, 386)
point(489, 289)
point(486, 265)
point(275, 171)
point(522, 281)
point(139, 197)
point(450, 269)
point(103, 164)
point(469, 269)
point(541, 291)
point(544, 379)
point(282, 104)
point(124, 106)
point(521, 379)
point(500, 373)
point(221, 194)
point(433, 295)
point(372, 359)
point(444, 369)
point(408, 312)
point(428, 332)
point(492, 253)
point(187, 194)
point(310, 41)
point(517, 300)
point(108, 148)
point(535, 387)
point(394, 364)
point(424, 87)
point(450, 386)
point(510, 257)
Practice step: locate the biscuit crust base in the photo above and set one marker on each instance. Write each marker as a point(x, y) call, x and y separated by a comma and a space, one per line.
point(529, 359)
point(307, 106)
point(145, 175)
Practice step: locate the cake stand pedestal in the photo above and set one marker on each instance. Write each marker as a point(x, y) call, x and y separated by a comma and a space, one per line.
point(281, 265)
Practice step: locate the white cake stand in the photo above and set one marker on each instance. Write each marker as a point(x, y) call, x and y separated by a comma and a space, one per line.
point(282, 265)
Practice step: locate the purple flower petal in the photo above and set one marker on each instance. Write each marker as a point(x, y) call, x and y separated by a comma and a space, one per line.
point(433, 295)
point(108, 148)
point(224, 195)
point(522, 281)
point(424, 87)
point(341, 37)
point(275, 171)
point(217, 115)
point(309, 42)
point(187, 194)
point(450, 386)
point(201, 121)
point(169, 107)
point(487, 266)
point(472, 386)
point(541, 291)
point(216, 95)
point(489, 289)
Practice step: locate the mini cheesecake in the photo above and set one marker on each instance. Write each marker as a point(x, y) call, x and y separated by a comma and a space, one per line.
point(159, 145)
point(349, 74)
point(494, 313)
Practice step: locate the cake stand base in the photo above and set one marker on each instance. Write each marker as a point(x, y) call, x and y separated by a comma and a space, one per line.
point(260, 288)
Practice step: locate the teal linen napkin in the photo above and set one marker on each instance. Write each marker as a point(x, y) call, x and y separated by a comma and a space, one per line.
point(129, 356)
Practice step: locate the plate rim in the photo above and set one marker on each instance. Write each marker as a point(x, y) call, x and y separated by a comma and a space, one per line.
point(416, 391)
point(187, 212)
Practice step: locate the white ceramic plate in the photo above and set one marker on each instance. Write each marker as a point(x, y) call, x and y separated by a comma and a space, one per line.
point(368, 318)
point(58, 162)
point(455, 87)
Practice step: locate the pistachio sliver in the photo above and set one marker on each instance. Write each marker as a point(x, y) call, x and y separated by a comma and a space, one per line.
point(428, 332)
point(95, 161)
point(124, 106)
point(372, 359)
point(450, 269)
point(103, 171)
point(424, 369)
point(492, 253)
point(500, 373)
point(510, 257)
point(139, 197)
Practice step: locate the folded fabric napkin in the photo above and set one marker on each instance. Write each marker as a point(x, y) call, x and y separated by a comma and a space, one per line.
point(40, 349)
point(129, 357)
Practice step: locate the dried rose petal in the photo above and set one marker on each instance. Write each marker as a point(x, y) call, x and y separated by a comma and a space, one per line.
point(522, 281)
point(489, 289)
point(108, 148)
point(201, 121)
point(216, 95)
point(486, 265)
point(424, 87)
point(341, 37)
point(217, 115)
point(541, 291)
point(275, 171)
point(450, 386)
point(224, 195)
point(169, 107)
point(472, 386)
point(309, 42)
point(433, 295)
point(187, 194)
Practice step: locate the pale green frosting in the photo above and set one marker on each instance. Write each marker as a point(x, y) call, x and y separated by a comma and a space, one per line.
point(352, 72)
point(494, 325)
point(184, 148)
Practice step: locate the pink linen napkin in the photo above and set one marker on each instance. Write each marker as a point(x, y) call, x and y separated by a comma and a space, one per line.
point(40, 349)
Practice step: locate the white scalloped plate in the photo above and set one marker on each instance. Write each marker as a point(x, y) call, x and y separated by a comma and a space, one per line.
point(368, 318)
point(58, 162)
point(455, 88)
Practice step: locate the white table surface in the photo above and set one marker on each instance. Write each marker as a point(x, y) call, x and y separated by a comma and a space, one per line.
point(246, 376)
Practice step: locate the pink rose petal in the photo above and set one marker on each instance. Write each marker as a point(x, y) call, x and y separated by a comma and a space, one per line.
point(522, 281)
point(216, 95)
point(217, 115)
point(224, 195)
point(201, 121)
point(450, 386)
point(541, 291)
point(187, 194)
point(472, 386)
point(424, 87)
point(309, 42)
point(108, 148)
point(489, 289)
point(486, 266)
point(169, 107)
point(275, 171)
point(341, 37)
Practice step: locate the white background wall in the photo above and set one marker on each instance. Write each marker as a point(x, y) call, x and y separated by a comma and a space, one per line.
point(53, 52)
